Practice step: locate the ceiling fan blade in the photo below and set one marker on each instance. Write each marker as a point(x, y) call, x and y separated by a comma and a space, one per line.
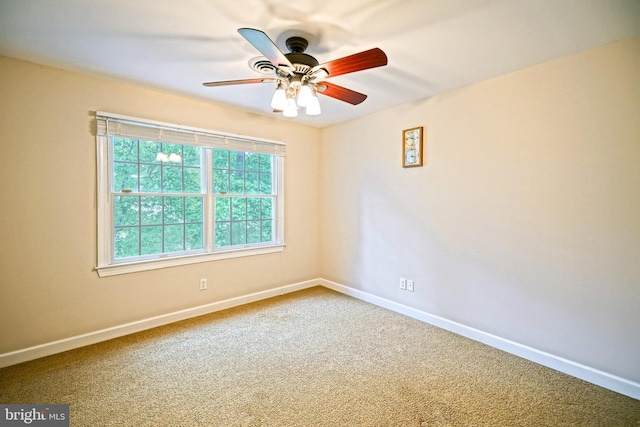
point(240, 82)
point(266, 47)
point(358, 61)
point(340, 93)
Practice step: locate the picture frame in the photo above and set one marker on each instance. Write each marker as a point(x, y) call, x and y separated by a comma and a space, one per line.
point(412, 147)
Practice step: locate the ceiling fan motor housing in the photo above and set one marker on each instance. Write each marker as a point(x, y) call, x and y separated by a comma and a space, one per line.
point(301, 61)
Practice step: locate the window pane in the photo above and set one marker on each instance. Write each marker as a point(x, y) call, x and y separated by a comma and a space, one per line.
point(238, 208)
point(237, 182)
point(220, 159)
point(265, 163)
point(192, 180)
point(239, 233)
point(125, 150)
point(267, 230)
point(253, 208)
point(150, 178)
point(173, 153)
point(220, 181)
point(222, 234)
point(236, 160)
point(173, 238)
point(149, 151)
point(192, 155)
point(267, 208)
point(193, 209)
point(253, 232)
point(125, 210)
point(151, 242)
point(126, 241)
point(223, 208)
point(194, 237)
point(151, 210)
point(265, 183)
point(251, 161)
point(155, 223)
point(125, 177)
point(173, 210)
point(171, 179)
point(251, 184)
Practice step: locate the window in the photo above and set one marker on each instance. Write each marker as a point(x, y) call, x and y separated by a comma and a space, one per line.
point(244, 201)
point(172, 195)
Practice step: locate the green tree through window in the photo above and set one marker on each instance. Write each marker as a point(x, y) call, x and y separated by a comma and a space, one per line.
point(160, 209)
point(243, 185)
point(160, 194)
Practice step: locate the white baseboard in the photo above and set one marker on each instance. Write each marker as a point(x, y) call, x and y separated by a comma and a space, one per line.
point(586, 373)
point(35, 352)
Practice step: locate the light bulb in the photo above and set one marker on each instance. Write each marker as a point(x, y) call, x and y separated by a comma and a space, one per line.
point(304, 95)
point(291, 109)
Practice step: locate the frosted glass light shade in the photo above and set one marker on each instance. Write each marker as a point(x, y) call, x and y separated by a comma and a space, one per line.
point(279, 100)
point(304, 96)
point(313, 107)
point(291, 109)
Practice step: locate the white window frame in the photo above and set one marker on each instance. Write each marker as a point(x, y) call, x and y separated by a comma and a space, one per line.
point(110, 124)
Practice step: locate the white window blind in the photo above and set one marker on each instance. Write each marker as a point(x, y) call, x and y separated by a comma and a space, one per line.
point(111, 125)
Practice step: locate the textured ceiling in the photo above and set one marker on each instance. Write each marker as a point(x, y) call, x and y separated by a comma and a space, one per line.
point(432, 45)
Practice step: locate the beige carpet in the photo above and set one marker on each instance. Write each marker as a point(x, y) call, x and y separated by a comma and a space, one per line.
point(311, 358)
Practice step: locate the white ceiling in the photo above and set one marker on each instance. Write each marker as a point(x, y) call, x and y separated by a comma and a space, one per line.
point(432, 45)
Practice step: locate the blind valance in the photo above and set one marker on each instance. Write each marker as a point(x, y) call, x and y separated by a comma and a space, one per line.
point(109, 124)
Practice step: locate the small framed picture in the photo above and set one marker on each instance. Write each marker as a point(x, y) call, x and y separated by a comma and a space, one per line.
point(412, 147)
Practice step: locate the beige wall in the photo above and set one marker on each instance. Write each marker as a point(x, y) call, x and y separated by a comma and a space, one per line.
point(525, 221)
point(48, 215)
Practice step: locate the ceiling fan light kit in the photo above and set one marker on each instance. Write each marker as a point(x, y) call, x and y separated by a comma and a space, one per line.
point(299, 76)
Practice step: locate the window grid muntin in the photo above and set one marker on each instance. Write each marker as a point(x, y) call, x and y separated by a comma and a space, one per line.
point(241, 165)
point(206, 157)
point(160, 193)
point(261, 219)
point(162, 224)
point(163, 166)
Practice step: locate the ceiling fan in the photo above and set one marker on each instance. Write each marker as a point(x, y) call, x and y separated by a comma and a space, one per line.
point(299, 76)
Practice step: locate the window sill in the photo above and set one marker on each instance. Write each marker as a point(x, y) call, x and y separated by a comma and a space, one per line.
point(134, 267)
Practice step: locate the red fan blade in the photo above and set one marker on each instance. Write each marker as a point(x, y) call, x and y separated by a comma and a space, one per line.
point(240, 82)
point(359, 61)
point(265, 46)
point(341, 93)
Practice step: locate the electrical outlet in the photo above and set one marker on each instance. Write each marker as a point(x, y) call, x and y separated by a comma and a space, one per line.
point(403, 283)
point(203, 284)
point(410, 285)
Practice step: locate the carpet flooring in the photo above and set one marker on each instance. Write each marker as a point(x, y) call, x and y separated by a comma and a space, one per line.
point(310, 358)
